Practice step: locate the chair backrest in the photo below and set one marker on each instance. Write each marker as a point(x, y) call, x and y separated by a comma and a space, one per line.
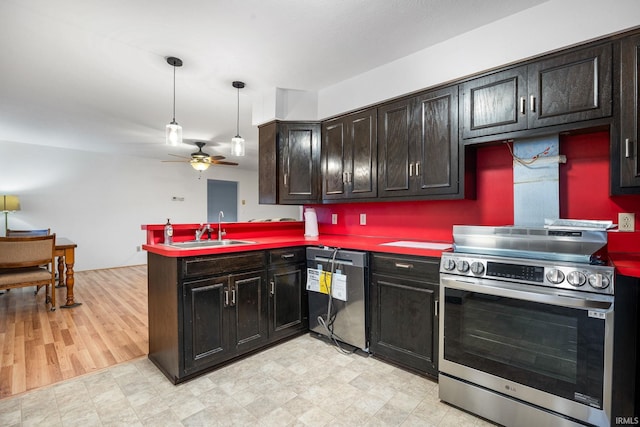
point(27, 251)
point(27, 233)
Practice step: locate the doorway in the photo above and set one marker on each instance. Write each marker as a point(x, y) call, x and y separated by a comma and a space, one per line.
point(222, 196)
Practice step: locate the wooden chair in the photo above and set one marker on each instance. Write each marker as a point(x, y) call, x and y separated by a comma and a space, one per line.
point(29, 261)
point(29, 233)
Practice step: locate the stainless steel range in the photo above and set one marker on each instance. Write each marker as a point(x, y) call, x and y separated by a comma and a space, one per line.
point(526, 329)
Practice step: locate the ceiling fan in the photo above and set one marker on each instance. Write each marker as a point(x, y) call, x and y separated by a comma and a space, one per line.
point(200, 160)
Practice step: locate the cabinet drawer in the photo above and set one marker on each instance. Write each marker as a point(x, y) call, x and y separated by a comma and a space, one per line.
point(425, 268)
point(287, 255)
point(222, 264)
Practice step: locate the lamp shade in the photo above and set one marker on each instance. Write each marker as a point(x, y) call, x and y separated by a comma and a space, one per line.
point(200, 164)
point(237, 145)
point(174, 134)
point(9, 203)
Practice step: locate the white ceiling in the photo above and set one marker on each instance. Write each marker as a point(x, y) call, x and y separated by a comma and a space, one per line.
point(92, 74)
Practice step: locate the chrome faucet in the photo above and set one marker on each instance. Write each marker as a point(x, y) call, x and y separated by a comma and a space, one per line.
point(220, 232)
point(201, 231)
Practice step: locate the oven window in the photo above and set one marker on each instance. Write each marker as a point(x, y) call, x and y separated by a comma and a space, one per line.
point(555, 349)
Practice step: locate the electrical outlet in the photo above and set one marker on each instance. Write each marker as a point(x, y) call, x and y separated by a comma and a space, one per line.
point(138, 248)
point(363, 219)
point(626, 221)
point(334, 219)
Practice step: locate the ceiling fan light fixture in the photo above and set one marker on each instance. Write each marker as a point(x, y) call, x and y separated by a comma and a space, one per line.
point(237, 142)
point(200, 164)
point(173, 132)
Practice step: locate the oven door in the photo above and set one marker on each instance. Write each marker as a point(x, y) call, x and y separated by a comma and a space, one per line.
point(547, 347)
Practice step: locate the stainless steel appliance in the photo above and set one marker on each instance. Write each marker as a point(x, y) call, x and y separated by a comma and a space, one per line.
point(344, 317)
point(526, 329)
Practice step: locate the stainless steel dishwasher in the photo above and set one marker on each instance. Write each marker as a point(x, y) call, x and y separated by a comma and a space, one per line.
point(338, 289)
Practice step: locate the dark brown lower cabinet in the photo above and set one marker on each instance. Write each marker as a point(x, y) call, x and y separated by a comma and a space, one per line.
point(205, 311)
point(288, 305)
point(404, 311)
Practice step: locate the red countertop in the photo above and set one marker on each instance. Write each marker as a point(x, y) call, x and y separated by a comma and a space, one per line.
point(624, 257)
point(626, 263)
point(372, 244)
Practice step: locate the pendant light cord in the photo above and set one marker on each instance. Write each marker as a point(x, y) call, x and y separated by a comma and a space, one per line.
point(174, 93)
point(238, 114)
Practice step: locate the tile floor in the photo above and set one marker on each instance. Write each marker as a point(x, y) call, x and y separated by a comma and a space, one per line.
point(303, 382)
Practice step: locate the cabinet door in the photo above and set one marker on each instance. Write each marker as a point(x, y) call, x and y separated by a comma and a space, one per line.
point(362, 176)
point(300, 160)
point(206, 328)
point(248, 302)
point(268, 164)
point(287, 306)
point(335, 157)
point(394, 148)
point(404, 325)
point(629, 114)
point(495, 104)
point(434, 130)
point(570, 87)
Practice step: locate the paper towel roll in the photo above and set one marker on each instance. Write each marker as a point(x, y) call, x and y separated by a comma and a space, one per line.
point(310, 223)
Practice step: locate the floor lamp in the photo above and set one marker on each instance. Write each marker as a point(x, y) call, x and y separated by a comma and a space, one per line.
point(8, 204)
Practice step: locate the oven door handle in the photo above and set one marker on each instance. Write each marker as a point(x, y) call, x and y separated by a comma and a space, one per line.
point(541, 295)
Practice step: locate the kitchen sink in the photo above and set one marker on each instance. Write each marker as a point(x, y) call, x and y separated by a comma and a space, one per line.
point(210, 243)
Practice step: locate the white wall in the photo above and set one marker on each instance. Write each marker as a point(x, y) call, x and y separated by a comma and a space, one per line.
point(99, 201)
point(549, 26)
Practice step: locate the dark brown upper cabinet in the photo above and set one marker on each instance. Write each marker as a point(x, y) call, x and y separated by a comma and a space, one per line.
point(349, 157)
point(625, 146)
point(561, 89)
point(418, 146)
point(289, 163)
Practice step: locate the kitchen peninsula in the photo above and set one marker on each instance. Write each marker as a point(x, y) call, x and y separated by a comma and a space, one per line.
point(211, 305)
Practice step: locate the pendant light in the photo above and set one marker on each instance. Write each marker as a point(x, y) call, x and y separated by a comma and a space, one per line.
point(237, 142)
point(174, 130)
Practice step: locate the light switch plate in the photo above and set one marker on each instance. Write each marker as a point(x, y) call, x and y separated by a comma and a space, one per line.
point(626, 221)
point(334, 219)
point(363, 219)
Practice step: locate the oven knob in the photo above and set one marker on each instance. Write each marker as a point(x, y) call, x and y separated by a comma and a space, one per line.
point(463, 266)
point(555, 276)
point(477, 268)
point(448, 264)
point(576, 278)
point(598, 281)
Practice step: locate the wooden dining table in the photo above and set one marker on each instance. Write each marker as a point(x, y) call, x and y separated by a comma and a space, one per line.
point(65, 251)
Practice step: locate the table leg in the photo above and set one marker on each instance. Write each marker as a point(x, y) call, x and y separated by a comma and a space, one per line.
point(69, 260)
point(60, 272)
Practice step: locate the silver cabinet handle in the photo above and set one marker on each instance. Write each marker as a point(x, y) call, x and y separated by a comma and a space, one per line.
point(532, 103)
point(226, 298)
point(273, 288)
point(233, 296)
point(436, 308)
point(410, 169)
point(350, 175)
point(345, 177)
point(417, 168)
point(403, 265)
point(523, 105)
point(627, 148)
point(285, 179)
point(287, 256)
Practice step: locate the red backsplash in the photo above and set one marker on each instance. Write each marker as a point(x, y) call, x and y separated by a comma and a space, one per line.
point(584, 194)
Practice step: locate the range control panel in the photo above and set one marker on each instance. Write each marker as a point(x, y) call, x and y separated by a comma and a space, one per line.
point(583, 277)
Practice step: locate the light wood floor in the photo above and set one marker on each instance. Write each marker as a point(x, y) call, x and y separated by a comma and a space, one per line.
point(40, 347)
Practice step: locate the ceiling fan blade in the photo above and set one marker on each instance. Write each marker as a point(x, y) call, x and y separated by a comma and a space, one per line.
point(217, 157)
point(176, 155)
point(217, 162)
point(174, 161)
